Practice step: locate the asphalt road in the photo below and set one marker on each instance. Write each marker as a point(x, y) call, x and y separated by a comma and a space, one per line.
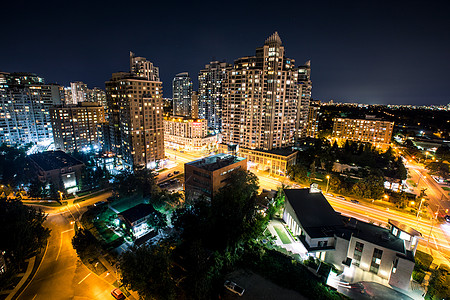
point(61, 275)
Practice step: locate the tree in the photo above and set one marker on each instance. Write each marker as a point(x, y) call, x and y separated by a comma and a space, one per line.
point(84, 243)
point(147, 270)
point(158, 220)
point(37, 189)
point(371, 187)
point(22, 231)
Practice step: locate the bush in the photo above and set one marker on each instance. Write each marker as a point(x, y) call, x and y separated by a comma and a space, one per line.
point(439, 287)
point(418, 276)
point(423, 261)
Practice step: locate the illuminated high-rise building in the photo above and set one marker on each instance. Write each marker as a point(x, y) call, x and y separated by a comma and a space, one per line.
point(25, 101)
point(77, 127)
point(262, 99)
point(194, 105)
point(141, 67)
point(210, 93)
point(135, 108)
point(182, 95)
point(305, 113)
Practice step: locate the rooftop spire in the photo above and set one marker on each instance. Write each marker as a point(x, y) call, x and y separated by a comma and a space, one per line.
point(274, 38)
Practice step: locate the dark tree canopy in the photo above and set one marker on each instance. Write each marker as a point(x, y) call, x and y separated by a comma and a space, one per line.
point(21, 230)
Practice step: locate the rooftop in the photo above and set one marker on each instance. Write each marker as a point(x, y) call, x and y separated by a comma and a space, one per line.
point(52, 160)
point(137, 212)
point(280, 151)
point(215, 162)
point(315, 214)
point(371, 233)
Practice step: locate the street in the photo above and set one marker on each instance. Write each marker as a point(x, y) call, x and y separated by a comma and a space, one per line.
point(61, 275)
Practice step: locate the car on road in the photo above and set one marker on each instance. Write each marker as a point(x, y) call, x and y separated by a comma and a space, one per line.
point(330, 194)
point(354, 201)
point(340, 198)
point(169, 175)
point(99, 203)
point(176, 172)
point(233, 287)
point(116, 293)
point(447, 218)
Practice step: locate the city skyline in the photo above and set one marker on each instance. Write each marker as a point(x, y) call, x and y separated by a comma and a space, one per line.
point(368, 53)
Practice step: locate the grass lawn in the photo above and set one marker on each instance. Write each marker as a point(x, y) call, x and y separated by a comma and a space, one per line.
point(48, 203)
point(446, 188)
point(124, 203)
point(282, 234)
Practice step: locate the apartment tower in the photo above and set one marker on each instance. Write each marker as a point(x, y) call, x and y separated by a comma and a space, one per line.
point(210, 93)
point(182, 95)
point(262, 99)
point(135, 108)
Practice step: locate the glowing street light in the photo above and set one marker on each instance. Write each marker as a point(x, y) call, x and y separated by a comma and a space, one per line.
point(328, 182)
point(418, 211)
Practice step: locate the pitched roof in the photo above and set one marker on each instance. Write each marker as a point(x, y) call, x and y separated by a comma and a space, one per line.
point(137, 212)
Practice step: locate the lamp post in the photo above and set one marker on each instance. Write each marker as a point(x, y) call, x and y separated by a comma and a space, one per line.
point(424, 177)
point(418, 212)
point(328, 182)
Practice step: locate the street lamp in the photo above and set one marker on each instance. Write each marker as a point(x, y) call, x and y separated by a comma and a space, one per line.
point(418, 211)
point(328, 182)
point(427, 153)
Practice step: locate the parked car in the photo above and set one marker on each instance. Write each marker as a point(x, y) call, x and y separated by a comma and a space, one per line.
point(354, 201)
point(233, 287)
point(116, 293)
point(99, 203)
point(447, 218)
point(176, 172)
point(169, 175)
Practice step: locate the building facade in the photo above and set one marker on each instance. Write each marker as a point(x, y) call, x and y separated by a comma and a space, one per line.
point(369, 130)
point(25, 101)
point(210, 92)
point(204, 177)
point(305, 87)
point(262, 99)
point(58, 168)
point(273, 161)
point(135, 109)
point(141, 67)
point(189, 134)
point(352, 246)
point(194, 105)
point(182, 95)
point(77, 127)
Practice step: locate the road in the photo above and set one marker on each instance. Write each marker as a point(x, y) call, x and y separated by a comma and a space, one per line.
point(61, 275)
point(434, 235)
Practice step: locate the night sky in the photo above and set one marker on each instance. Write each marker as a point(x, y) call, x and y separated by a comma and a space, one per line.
point(364, 51)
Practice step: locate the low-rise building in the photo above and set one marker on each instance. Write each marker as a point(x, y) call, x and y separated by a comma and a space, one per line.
point(58, 168)
point(183, 133)
point(135, 219)
point(205, 176)
point(274, 161)
point(351, 245)
point(368, 130)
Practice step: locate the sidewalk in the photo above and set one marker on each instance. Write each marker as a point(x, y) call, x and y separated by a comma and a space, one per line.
point(30, 267)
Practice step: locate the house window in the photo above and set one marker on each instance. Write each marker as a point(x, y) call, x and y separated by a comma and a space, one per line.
point(376, 260)
point(394, 231)
point(358, 253)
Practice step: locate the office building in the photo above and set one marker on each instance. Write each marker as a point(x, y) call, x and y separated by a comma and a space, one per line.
point(182, 133)
point(210, 92)
point(358, 249)
point(368, 130)
point(182, 95)
point(77, 127)
point(135, 108)
point(204, 177)
point(262, 99)
point(25, 101)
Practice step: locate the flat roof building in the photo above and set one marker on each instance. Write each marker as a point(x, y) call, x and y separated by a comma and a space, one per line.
point(204, 177)
point(58, 168)
point(351, 245)
point(369, 130)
